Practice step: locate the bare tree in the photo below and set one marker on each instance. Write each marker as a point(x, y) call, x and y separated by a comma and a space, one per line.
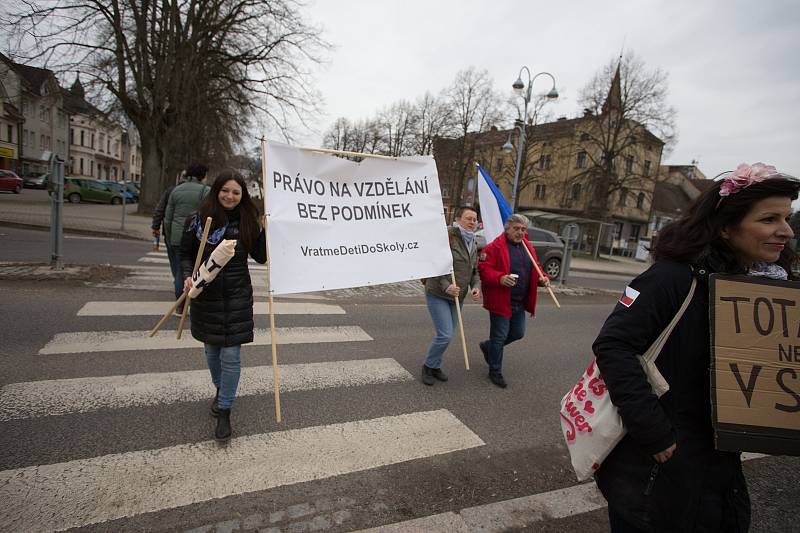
point(475, 106)
point(633, 113)
point(186, 73)
point(433, 119)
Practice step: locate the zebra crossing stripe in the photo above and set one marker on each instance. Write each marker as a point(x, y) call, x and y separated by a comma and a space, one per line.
point(115, 341)
point(95, 490)
point(159, 308)
point(81, 395)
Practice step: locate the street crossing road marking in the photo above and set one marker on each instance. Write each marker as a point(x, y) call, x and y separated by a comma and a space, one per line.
point(81, 395)
point(167, 286)
point(115, 341)
point(91, 491)
point(159, 308)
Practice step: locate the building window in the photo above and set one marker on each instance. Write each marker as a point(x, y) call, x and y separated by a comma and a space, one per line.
point(580, 161)
point(33, 139)
point(544, 162)
point(646, 169)
point(498, 165)
point(91, 167)
point(24, 137)
point(92, 141)
point(102, 142)
point(115, 173)
point(623, 197)
point(540, 191)
point(82, 139)
point(108, 146)
point(41, 143)
point(116, 148)
point(25, 107)
point(11, 134)
point(81, 165)
point(629, 163)
point(575, 192)
point(635, 230)
point(618, 230)
point(640, 201)
point(584, 136)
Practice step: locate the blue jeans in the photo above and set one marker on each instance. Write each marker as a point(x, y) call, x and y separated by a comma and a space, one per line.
point(443, 313)
point(504, 331)
point(225, 366)
point(174, 255)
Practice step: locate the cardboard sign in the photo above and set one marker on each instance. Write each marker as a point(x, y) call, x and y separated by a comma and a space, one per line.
point(755, 364)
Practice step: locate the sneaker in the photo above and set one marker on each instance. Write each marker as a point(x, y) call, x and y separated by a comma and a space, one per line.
point(484, 350)
point(498, 380)
point(438, 374)
point(427, 375)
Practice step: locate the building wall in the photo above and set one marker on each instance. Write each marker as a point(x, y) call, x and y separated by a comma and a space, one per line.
point(96, 149)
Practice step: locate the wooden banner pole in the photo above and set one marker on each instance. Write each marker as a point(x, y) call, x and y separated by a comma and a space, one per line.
point(275, 377)
point(166, 316)
point(197, 262)
point(460, 322)
point(344, 152)
point(541, 275)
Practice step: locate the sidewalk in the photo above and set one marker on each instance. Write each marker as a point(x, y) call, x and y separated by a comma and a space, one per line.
point(92, 219)
point(607, 264)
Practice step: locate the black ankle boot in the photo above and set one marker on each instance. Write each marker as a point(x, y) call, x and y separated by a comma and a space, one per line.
point(223, 431)
point(214, 406)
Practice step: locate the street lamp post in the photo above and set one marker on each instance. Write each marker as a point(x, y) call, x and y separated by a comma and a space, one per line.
point(525, 93)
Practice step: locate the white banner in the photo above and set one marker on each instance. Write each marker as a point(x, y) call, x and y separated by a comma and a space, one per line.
point(334, 223)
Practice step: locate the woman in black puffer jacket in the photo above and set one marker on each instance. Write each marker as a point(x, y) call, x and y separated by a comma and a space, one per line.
point(222, 315)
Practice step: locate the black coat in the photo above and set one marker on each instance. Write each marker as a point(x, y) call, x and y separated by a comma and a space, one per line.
point(222, 315)
point(699, 488)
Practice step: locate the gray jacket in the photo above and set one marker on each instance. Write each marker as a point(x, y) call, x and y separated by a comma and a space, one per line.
point(465, 267)
point(182, 202)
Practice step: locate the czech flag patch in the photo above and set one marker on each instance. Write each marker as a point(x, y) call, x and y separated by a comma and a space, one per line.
point(628, 297)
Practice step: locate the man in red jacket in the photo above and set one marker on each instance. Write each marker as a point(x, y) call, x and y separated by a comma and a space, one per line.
point(509, 284)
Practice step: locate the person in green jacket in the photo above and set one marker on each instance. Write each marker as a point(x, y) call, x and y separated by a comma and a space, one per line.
point(183, 201)
point(440, 292)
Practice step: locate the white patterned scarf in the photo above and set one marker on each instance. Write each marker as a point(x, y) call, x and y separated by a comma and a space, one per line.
point(768, 270)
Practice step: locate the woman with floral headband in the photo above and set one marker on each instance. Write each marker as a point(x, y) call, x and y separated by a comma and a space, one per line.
point(665, 475)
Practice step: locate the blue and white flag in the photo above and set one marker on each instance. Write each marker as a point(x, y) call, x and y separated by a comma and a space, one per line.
point(494, 208)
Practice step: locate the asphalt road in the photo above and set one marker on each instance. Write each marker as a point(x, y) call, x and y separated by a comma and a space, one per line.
point(521, 452)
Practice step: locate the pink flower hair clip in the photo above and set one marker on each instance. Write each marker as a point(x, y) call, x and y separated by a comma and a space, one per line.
point(744, 176)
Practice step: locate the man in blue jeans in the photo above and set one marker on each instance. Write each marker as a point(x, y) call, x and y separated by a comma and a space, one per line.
point(509, 284)
point(441, 293)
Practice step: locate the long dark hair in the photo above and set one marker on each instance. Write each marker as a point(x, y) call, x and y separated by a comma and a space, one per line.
point(697, 236)
point(249, 227)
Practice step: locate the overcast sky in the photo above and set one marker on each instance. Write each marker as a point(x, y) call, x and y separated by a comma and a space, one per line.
point(733, 66)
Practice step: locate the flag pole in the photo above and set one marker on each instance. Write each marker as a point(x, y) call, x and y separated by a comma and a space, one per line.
point(539, 271)
point(460, 321)
point(197, 262)
point(275, 378)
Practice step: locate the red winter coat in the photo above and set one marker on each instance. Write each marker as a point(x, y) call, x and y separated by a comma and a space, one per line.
point(493, 263)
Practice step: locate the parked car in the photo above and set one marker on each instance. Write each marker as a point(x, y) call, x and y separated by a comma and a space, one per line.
point(130, 198)
point(35, 181)
point(9, 181)
point(88, 190)
point(548, 245)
